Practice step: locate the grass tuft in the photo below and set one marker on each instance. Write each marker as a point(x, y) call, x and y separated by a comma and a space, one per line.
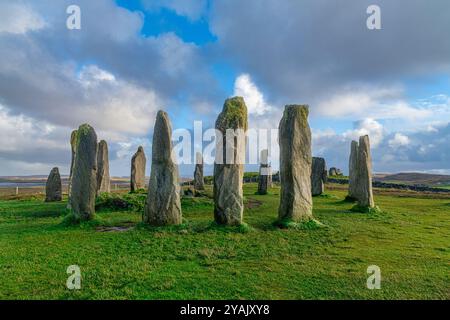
point(311, 224)
point(361, 209)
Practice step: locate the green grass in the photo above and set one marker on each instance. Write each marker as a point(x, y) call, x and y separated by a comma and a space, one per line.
point(409, 240)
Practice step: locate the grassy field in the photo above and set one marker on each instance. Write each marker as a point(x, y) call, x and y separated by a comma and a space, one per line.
point(409, 241)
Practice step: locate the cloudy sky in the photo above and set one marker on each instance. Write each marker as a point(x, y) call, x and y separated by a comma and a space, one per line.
point(132, 58)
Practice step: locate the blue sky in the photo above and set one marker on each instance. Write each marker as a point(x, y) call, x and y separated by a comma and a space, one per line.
point(132, 58)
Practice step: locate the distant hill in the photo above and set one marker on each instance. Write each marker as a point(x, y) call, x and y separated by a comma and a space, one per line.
point(415, 178)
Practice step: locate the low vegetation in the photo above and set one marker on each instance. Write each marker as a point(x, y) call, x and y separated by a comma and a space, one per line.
point(122, 259)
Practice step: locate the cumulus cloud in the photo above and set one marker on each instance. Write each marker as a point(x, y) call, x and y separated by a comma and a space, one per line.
point(17, 18)
point(254, 99)
point(399, 140)
point(307, 49)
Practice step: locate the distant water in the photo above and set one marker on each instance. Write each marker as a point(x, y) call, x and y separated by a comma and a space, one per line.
point(21, 184)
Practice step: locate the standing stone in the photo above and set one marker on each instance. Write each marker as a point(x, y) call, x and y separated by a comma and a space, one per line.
point(53, 187)
point(353, 161)
point(318, 176)
point(364, 174)
point(333, 171)
point(84, 178)
point(295, 164)
point(265, 173)
point(231, 126)
point(163, 206)
point(73, 144)
point(138, 170)
point(103, 179)
point(198, 173)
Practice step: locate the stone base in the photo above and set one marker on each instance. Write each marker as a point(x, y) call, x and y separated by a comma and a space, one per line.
point(350, 199)
point(360, 209)
point(310, 224)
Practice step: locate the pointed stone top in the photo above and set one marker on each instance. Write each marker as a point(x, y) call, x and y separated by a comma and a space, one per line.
point(198, 158)
point(162, 143)
point(264, 156)
point(233, 115)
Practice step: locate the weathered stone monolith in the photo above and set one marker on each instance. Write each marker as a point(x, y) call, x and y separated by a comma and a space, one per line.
point(318, 176)
point(265, 173)
point(53, 187)
point(163, 206)
point(84, 178)
point(295, 165)
point(199, 183)
point(231, 126)
point(103, 179)
point(138, 162)
point(73, 144)
point(352, 182)
point(364, 174)
point(333, 171)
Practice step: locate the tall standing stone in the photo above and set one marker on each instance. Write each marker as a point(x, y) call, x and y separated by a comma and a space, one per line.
point(163, 206)
point(84, 178)
point(231, 126)
point(138, 162)
point(103, 179)
point(352, 169)
point(364, 174)
point(199, 183)
point(318, 176)
point(295, 164)
point(265, 173)
point(73, 145)
point(53, 187)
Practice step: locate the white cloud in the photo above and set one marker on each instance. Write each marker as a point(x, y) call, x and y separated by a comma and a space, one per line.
point(254, 99)
point(18, 18)
point(369, 127)
point(399, 140)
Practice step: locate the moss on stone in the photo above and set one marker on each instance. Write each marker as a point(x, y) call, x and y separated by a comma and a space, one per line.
point(233, 115)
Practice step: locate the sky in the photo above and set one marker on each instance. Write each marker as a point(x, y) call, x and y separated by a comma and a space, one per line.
point(133, 58)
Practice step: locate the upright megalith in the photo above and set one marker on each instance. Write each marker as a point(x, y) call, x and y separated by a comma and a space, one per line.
point(318, 176)
point(84, 178)
point(103, 179)
point(364, 174)
point(265, 173)
point(138, 162)
point(163, 206)
point(199, 183)
point(231, 126)
point(352, 169)
point(53, 187)
point(73, 145)
point(295, 165)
